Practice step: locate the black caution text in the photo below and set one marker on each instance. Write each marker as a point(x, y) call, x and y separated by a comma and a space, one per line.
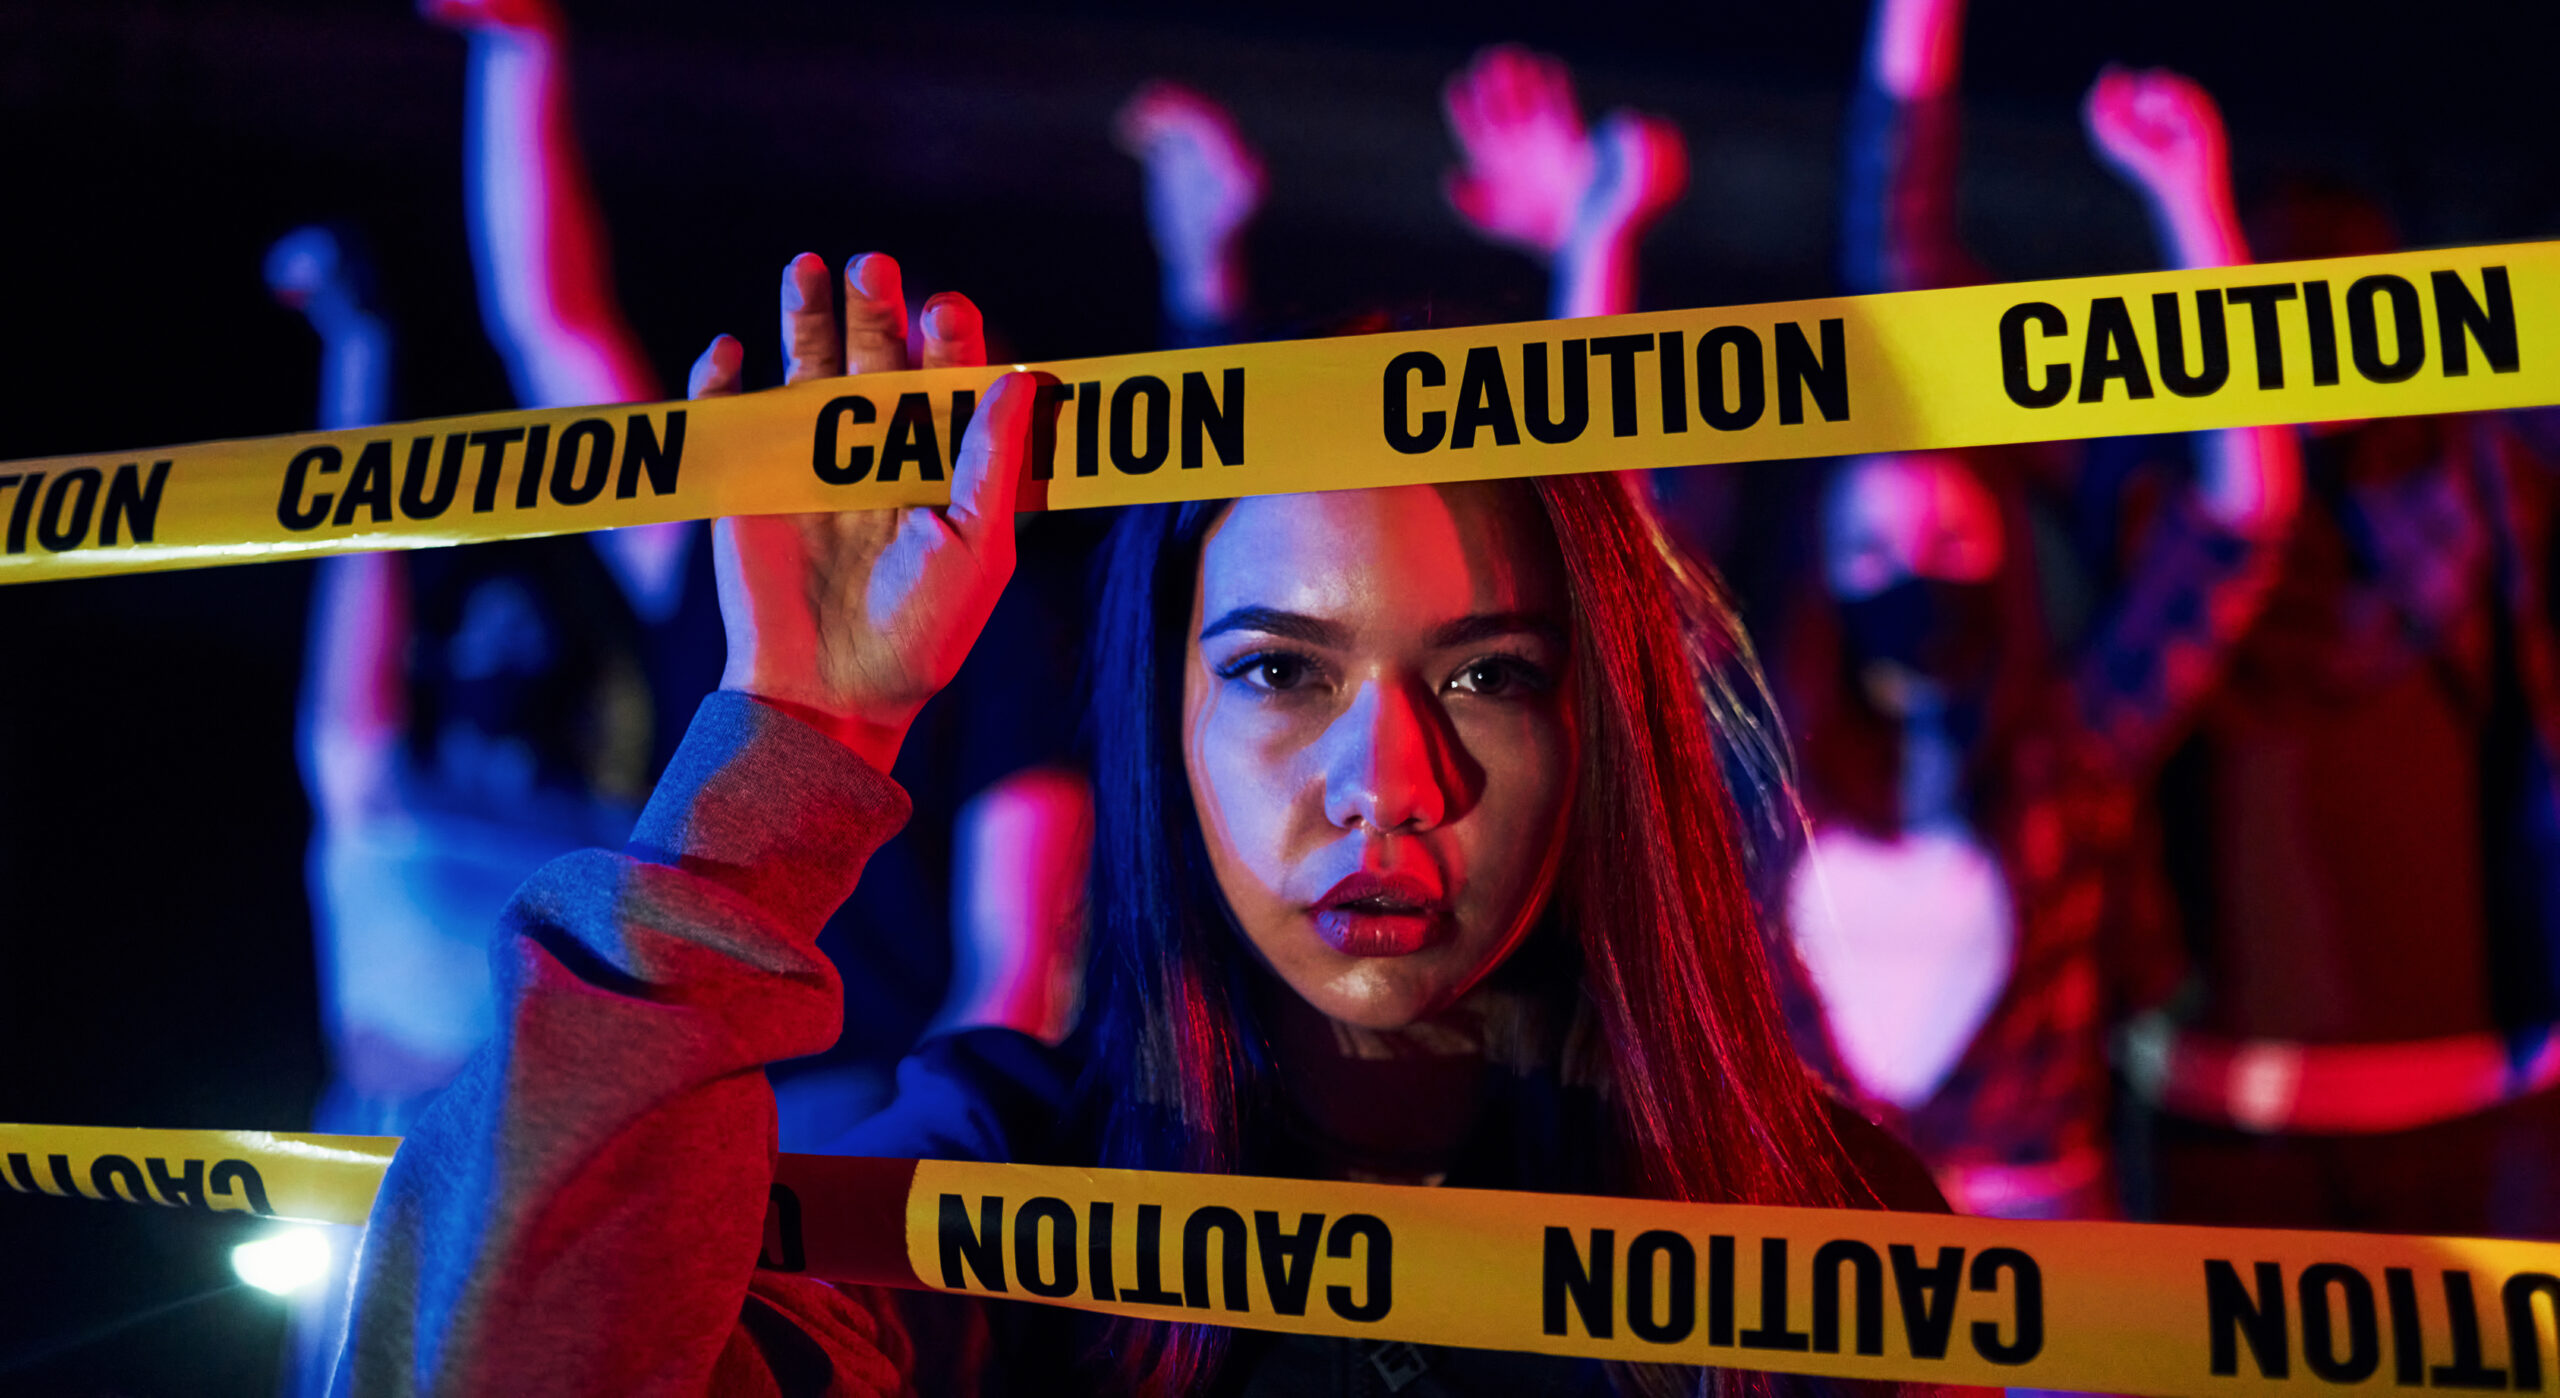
point(1664, 1292)
point(1558, 391)
point(2385, 328)
point(223, 1186)
point(1204, 1260)
point(499, 468)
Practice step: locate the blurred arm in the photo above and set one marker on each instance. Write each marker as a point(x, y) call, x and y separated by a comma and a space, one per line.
point(538, 242)
point(540, 255)
point(2211, 561)
point(1898, 209)
point(2162, 133)
point(1204, 184)
point(355, 370)
point(1023, 847)
point(353, 702)
point(1643, 169)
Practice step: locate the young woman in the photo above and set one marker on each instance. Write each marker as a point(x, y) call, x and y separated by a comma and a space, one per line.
point(1413, 865)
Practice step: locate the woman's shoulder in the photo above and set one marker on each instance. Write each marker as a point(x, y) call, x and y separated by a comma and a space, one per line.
point(1891, 1171)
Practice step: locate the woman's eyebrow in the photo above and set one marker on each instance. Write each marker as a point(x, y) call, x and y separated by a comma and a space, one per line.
point(1484, 626)
point(1296, 626)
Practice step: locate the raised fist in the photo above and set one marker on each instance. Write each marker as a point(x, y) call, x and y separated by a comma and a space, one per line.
point(2158, 129)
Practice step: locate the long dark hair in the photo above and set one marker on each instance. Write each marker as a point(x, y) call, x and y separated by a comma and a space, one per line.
point(1709, 1100)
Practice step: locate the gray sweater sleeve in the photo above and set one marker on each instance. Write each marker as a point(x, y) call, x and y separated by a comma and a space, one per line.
point(581, 1211)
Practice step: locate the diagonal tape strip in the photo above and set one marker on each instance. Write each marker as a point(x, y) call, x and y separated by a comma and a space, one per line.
point(2110, 1307)
point(2391, 335)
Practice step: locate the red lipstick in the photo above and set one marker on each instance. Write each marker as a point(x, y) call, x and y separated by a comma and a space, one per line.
point(1380, 914)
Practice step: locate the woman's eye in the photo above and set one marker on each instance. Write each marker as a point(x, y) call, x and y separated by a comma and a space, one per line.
point(1499, 677)
point(1274, 671)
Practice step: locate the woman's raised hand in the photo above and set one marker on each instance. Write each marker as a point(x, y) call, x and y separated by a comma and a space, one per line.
point(853, 620)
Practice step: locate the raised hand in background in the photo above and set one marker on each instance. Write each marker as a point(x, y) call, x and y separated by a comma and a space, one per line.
point(1534, 177)
point(540, 255)
point(1204, 185)
point(2162, 132)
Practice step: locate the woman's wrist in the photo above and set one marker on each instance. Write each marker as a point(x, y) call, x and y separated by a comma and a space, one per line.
point(873, 738)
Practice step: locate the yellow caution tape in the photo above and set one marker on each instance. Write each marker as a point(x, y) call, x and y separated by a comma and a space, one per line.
point(319, 1179)
point(2392, 335)
point(2113, 1307)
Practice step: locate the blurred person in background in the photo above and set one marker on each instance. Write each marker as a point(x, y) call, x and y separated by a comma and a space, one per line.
point(1531, 176)
point(2363, 838)
point(1971, 780)
point(469, 713)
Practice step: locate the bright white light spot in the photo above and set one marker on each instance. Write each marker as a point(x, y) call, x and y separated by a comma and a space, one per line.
point(284, 1261)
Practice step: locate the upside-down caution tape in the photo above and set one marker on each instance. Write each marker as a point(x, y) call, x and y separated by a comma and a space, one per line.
point(2114, 1307)
point(2392, 335)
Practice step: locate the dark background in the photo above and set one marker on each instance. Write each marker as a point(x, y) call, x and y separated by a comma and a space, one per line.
point(154, 949)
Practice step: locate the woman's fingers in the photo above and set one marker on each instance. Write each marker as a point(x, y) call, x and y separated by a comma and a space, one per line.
point(715, 374)
point(955, 335)
point(811, 348)
point(989, 472)
point(875, 315)
point(871, 336)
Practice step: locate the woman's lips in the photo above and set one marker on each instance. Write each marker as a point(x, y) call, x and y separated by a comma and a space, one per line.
point(1379, 914)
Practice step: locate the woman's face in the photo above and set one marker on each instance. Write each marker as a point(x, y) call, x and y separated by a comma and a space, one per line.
point(1910, 544)
point(1919, 515)
point(1378, 728)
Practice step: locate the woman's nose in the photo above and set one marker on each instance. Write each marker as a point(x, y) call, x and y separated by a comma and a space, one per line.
point(1387, 768)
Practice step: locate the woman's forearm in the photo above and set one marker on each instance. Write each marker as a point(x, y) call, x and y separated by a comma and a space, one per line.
point(582, 1210)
